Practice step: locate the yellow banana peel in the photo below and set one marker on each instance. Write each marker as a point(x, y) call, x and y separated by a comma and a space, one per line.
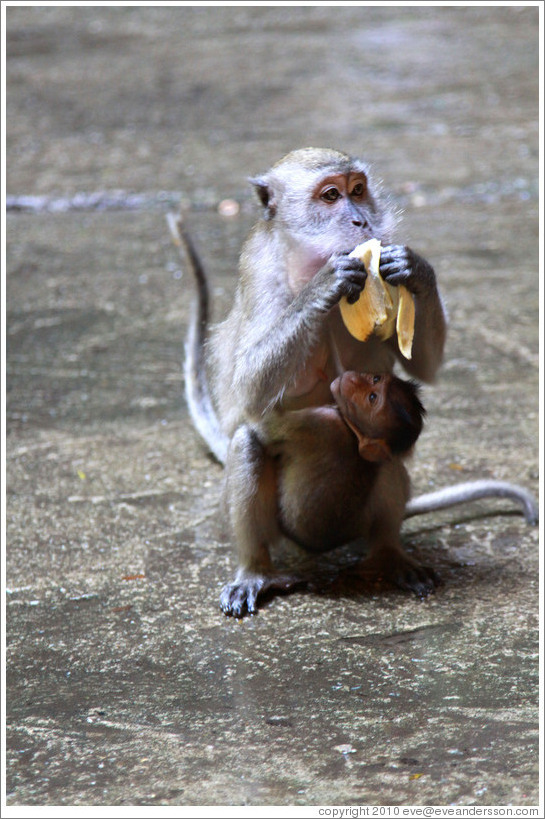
point(381, 308)
point(405, 321)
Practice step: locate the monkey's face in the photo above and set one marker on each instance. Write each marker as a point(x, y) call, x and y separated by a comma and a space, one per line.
point(362, 399)
point(341, 204)
point(332, 213)
point(380, 407)
point(324, 202)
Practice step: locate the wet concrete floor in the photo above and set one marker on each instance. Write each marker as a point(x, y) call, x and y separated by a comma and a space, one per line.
point(125, 683)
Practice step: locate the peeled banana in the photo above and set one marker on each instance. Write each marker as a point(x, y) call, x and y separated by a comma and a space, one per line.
point(381, 308)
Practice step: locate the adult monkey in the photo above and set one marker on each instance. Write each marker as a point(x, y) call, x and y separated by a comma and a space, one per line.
point(284, 342)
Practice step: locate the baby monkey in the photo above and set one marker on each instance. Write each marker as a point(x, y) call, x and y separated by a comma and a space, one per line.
point(330, 458)
point(339, 461)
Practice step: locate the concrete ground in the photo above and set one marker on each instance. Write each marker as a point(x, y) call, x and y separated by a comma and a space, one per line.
point(126, 685)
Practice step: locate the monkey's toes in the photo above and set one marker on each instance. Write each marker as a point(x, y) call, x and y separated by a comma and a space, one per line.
point(422, 580)
point(240, 598)
point(399, 570)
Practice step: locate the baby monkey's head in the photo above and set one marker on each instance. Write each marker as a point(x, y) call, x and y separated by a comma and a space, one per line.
point(384, 412)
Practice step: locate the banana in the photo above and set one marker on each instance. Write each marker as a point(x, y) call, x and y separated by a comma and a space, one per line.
point(405, 321)
point(381, 308)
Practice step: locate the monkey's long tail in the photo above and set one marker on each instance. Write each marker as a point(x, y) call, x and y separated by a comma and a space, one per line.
point(197, 391)
point(474, 490)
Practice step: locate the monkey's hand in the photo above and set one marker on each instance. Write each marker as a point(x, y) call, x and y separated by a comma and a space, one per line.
point(240, 597)
point(399, 265)
point(341, 276)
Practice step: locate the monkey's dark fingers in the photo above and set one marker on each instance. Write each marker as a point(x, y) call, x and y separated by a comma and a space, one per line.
point(394, 263)
point(340, 277)
point(351, 275)
point(401, 265)
point(349, 263)
point(352, 291)
point(394, 276)
point(416, 279)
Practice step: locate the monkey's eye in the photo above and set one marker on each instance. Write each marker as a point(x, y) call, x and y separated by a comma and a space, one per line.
point(358, 190)
point(376, 379)
point(372, 397)
point(330, 195)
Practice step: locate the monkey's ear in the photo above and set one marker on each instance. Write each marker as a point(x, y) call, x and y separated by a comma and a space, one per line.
point(373, 449)
point(265, 194)
point(370, 449)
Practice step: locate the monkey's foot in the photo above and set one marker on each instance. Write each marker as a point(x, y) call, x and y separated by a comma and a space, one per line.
point(399, 570)
point(241, 596)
